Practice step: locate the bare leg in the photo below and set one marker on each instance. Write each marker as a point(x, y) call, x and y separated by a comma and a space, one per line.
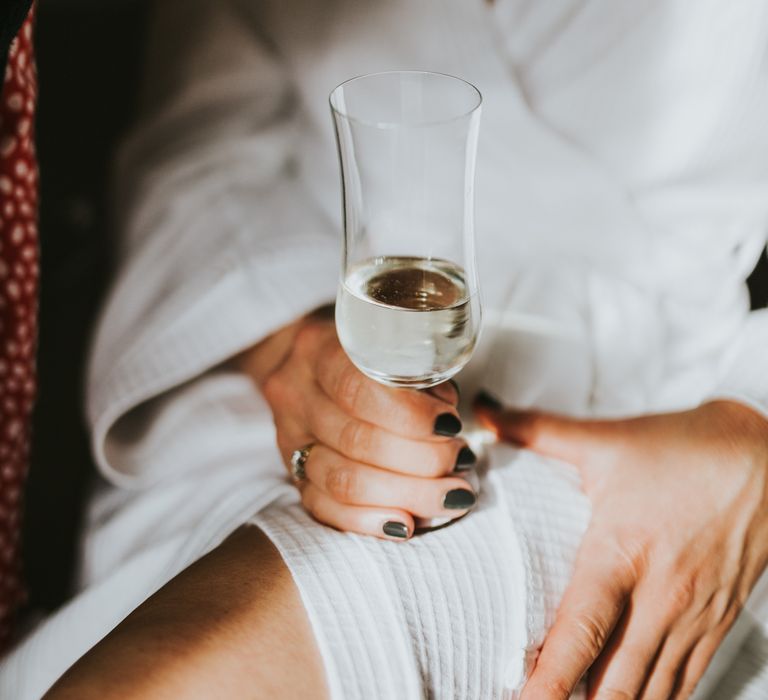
point(231, 625)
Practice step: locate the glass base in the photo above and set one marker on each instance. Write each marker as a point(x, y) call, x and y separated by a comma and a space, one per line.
point(400, 382)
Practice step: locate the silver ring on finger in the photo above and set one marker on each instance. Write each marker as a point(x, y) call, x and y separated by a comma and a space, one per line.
point(298, 463)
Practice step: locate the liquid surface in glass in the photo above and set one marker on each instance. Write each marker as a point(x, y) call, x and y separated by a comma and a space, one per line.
point(407, 321)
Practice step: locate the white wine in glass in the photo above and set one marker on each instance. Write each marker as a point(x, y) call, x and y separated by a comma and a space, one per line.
point(408, 310)
point(407, 321)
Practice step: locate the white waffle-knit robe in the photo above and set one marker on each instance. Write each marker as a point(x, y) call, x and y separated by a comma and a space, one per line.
point(622, 201)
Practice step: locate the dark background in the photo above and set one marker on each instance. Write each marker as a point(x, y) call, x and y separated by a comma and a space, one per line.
point(89, 60)
point(758, 283)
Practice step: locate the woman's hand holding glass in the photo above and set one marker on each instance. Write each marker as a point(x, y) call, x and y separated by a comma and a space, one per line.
point(380, 456)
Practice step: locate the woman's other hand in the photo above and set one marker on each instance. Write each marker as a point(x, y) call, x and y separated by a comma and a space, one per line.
point(677, 540)
point(380, 456)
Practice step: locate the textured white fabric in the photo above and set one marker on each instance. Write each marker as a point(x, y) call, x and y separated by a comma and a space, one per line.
point(746, 379)
point(458, 612)
point(622, 179)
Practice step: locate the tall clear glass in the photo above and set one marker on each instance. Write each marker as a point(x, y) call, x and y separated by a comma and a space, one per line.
point(408, 309)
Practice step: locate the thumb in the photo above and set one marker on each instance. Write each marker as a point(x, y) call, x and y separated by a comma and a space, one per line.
point(568, 439)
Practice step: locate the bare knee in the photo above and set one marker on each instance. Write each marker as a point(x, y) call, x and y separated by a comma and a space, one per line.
point(231, 625)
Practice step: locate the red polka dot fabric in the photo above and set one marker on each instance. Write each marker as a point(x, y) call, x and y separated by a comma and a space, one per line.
point(18, 306)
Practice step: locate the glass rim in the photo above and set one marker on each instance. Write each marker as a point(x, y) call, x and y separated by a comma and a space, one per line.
point(393, 125)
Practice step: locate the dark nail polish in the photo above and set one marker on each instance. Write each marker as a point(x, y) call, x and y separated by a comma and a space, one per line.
point(447, 424)
point(395, 529)
point(485, 400)
point(459, 499)
point(465, 460)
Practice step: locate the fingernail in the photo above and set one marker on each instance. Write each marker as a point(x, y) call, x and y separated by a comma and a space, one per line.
point(485, 400)
point(455, 385)
point(395, 529)
point(465, 460)
point(447, 424)
point(459, 499)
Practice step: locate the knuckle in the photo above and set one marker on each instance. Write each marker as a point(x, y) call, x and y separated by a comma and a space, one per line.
point(682, 594)
point(355, 438)
point(349, 387)
point(632, 559)
point(341, 483)
point(630, 555)
point(590, 634)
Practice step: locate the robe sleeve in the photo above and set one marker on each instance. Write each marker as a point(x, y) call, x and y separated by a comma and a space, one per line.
point(745, 375)
point(220, 244)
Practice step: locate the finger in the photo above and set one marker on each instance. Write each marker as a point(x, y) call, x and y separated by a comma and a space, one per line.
point(696, 665)
point(352, 483)
point(640, 650)
point(590, 609)
point(364, 442)
point(404, 412)
point(291, 437)
point(673, 656)
point(555, 436)
point(691, 629)
point(447, 391)
point(386, 523)
point(665, 677)
point(630, 656)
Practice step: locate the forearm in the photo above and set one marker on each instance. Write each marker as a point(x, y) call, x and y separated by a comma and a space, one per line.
point(231, 625)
